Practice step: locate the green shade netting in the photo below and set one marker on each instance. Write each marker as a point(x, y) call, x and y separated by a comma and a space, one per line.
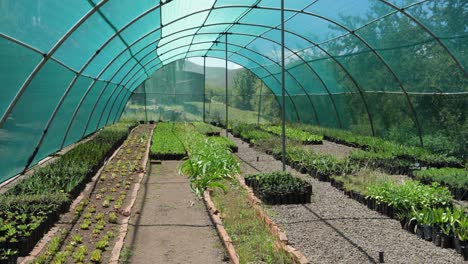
point(382, 67)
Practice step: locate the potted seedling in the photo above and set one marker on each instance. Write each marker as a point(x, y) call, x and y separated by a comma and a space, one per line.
point(462, 235)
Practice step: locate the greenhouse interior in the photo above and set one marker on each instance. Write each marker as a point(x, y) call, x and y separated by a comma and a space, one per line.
point(234, 131)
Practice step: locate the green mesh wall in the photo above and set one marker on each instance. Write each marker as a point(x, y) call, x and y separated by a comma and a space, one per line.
point(175, 93)
point(390, 68)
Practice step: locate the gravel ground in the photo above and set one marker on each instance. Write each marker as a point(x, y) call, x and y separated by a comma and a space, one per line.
point(336, 229)
point(328, 147)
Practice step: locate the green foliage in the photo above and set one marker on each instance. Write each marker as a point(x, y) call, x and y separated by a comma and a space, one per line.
point(86, 224)
point(450, 176)
point(20, 215)
point(112, 218)
point(103, 243)
point(277, 183)
point(410, 195)
point(251, 133)
point(77, 239)
point(96, 256)
point(72, 168)
point(5, 254)
point(208, 162)
point(80, 254)
point(316, 164)
point(295, 134)
point(250, 236)
point(450, 220)
point(224, 141)
point(360, 181)
point(462, 230)
point(206, 129)
point(166, 140)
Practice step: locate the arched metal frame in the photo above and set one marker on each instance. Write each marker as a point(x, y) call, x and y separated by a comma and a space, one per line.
point(126, 84)
point(151, 51)
point(96, 8)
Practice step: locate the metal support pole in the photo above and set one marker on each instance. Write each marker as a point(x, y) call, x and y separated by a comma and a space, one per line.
point(283, 96)
point(226, 83)
point(204, 88)
point(146, 112)
point(259, 103)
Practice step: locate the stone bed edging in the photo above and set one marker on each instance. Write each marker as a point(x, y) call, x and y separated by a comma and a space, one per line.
point(86, 193)
point(216, 219)
point(282, 242)
point(115, 254)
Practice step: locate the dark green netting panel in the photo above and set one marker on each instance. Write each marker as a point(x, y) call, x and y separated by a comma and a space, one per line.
point(25, 124)
point(82, 113)
point(52, 140)
point(98, 107)
point(392, 68)
point(16, 64)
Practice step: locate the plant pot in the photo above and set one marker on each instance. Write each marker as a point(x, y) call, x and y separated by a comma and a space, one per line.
point(464, 252)
point(446, 241)
point(420, 232)
point(436, 239)
point(404, 222)
point(411, 226)
point(9, 260)
point(427, 229)
point(456, 244)
point(436, 231)
point(391, 212)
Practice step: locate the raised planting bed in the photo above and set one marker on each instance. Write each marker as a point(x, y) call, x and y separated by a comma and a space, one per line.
point(166, 143)
point(385, 161)
point(207, 129)
point(386, 148)
point(238, 214)
point(456, 180)
point(445, 227)
point(99, 218)
point(279, 188)
point(31, 208)
point(316, 165)
point(225, 142)
point(251, 133)
point(295, 134)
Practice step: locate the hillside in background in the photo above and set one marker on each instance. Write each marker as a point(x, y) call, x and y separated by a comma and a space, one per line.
point(214, 75)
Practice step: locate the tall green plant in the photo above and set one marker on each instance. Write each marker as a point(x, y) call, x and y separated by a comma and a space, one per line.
point(208, 163)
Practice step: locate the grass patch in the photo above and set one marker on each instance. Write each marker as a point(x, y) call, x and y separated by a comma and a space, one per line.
point(249, 235)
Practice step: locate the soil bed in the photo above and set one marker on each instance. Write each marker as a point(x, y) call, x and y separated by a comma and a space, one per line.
point(331, 148)
point(109, 196)
point(336, 229)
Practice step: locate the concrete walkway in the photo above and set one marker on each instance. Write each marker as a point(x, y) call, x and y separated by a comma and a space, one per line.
point(169, 223)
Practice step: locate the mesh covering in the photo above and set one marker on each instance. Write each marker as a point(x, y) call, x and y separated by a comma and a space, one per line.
point(391, 68)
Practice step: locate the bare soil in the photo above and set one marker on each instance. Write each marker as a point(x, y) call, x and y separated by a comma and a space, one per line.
point(331, 148)
point(336, 229)
point(170, 224)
